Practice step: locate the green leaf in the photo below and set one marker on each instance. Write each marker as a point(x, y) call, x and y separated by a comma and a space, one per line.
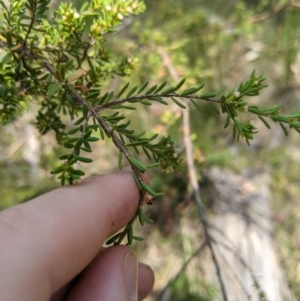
point(245, 86)
point(64, 157)
point(230, 110)
point(136, 180)
point(85, 111)
point(295, 124)
point(189, 91)
point(123, 107)
point(227, 121)
point(153, 165)
point(137, 238)
point(220, 91)
point(153, 137)
point(196, 105)
point(59, 75)
point(130, 93)
point(137, 164)
point(62, 181)
point(120, 165)
point(78, 172)
point(238, 125)
point(80, 120)
point(122, 90)
point(284, 129)
point(264, 121)
point(87, 134)
point(251, 91)
point(84, 159)
point(148, 189)
point(228, 94)
point(141, 216)
point(53, 89)
point(113, 239)
point(152, 89)
point(168, 91)
point(180, 84)
point(142, 88)
point(74, 177)
point(124, 125)
point(93, 126)
point(130, 235)
point(74, 130)
point(7, 58)
point(234, 133)
point(86, 149)
point(215, 107)
point(159, 99)
point(145, 102)
point(160, 87)
point(103, 98)
point(87, 145)
point(102, 134)
point(137, 143)
point(72, 140)
point(178, 103)
point(16, 47)
point(92, 96)
point(252, 76)
point(68, 145)
point(78, 143)
point(209, 95)
point(109, 97)
point(92, 139)
point(57, 170)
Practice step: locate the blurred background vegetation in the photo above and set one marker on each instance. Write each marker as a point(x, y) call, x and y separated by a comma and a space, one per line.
point(218, 43)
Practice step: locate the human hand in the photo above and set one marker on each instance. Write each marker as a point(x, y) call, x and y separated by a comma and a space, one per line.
point(51, 247)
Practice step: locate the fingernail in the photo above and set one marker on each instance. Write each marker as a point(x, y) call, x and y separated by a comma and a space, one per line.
point(130, 272)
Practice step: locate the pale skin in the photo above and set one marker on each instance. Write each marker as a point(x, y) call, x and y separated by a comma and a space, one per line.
point(51, 247)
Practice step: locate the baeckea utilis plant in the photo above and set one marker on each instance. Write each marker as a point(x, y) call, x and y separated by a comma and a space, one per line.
point(61, 63)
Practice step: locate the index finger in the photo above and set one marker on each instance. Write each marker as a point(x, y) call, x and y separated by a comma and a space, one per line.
point(52, 238)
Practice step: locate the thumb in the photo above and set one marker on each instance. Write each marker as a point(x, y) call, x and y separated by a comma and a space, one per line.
point(113, 275)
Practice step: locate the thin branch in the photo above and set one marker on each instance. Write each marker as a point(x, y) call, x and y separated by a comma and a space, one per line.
point(31, 23)
point(77, 37)
point(242, 286)
point(136, 98)
point(275, 11)
point(181, 270)
point(295, 4)
point(243, 262)
point(193, 175)
point(86, 49)
point(233, 248)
